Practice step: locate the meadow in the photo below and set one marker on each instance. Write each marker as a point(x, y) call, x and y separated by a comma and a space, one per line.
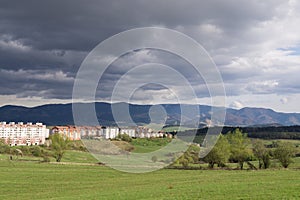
point(79, 176)
point(24, 179)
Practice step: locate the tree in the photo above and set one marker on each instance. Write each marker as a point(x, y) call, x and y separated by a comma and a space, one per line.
point(193, 153)
point(4, 148)
point(59, 145)
point(239, 147)
point(183, 161)
point(219, 154)
point(284, 153)
point(262, 154)
point(190, 156)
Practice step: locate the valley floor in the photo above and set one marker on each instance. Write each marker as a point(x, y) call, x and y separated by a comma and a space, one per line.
point(34, 180)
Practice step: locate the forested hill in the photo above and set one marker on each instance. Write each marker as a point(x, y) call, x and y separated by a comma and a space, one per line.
point(272, 132)
point(61, 114)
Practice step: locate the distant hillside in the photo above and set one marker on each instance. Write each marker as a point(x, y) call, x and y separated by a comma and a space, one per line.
point(270, 132)
point(60, 114)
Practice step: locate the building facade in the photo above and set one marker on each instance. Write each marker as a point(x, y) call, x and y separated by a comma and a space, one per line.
point(105, 132)
point(128, 131)
point(110, 132)
point(70, 132)
point(23, 134)
point(79, 132)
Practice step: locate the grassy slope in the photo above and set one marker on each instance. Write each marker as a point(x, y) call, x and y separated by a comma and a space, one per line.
point(145, 149)
point(32, 180)
point(78, 157)
point(175, 128)
point(143, 145)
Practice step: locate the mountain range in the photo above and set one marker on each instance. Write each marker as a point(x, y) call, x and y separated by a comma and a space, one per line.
point(61, 114)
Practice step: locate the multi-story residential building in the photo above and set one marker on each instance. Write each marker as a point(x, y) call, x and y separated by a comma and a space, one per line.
point(105, 132)
point(143, 132)
point(23, 134)
point(128, 131)
point(79, 132)
point(70, 132)
point(90, 131)
point(110, 132)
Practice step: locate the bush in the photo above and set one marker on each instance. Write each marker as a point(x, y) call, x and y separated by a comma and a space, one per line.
point(26, 150)
point(284, 153)
point(36, 151)
point(154, 159)
point(124, 137)
point(184, 162)
point(46, 159)
point(82, 148)
point(77, 145)
point(4, 149)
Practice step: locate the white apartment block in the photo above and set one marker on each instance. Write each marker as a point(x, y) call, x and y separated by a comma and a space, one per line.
point(128, 131)
point(23, 134)
point(106, 132)
point(110, 132)
point(84, 132)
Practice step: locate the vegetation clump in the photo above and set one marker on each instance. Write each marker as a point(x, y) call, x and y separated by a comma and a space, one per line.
point(284, 153)
point(233, 147)
point(219, 154)
point(59, 145)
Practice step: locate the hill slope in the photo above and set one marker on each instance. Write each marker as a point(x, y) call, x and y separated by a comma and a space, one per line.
point(60, 114)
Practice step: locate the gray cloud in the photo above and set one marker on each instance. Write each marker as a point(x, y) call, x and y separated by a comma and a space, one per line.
point(42, 43)
point(80, 25)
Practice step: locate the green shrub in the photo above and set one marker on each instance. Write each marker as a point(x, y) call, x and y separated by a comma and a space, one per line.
point(26, 150)
point(284, 153)
point(154, 159)
point(46, 159)
point(124, 137)
point(4, 149)
point(36, 151)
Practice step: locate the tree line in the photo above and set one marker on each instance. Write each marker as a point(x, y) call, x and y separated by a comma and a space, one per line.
point(236, 147)
point(271, 132)
point(232, 147)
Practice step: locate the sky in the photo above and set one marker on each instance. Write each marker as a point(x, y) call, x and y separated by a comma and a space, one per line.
point(254, 44)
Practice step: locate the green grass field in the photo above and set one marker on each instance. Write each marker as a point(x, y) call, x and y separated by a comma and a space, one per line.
point(144, 145)
point(79, 177)
point(175, 128)
point(34, 180)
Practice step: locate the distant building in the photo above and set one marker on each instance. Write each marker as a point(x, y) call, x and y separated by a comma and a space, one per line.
point(90, 131)
point(78, 132)
point(70, 132)
point(143, 132)
point(128, 131)
point(105, 132)
point(110, 132)
point(23, 134)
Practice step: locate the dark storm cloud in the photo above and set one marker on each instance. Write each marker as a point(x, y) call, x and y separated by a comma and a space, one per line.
point(36, 83)
point(43, 39)
point(80, 25)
